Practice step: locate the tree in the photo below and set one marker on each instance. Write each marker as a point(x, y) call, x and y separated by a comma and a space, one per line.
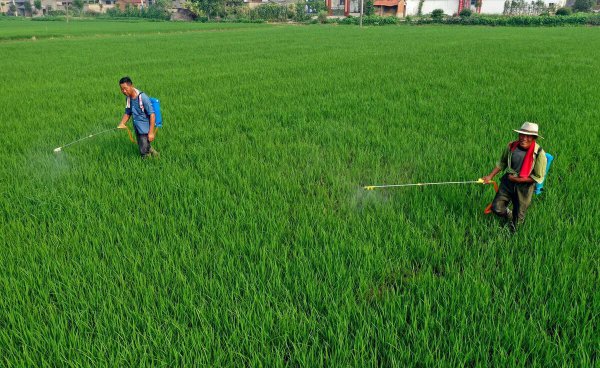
point(208, 7)
point(563, 11)
point(369, 7)
point(158, 10)
point(162, 5)
point(38, 5)
point(316, 6)
point(28, 8)
point(78, 5)
point(583, 6)
point(300, 11)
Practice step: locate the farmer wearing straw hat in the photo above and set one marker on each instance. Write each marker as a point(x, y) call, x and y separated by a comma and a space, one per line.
point(525, 164)
point(140, 108)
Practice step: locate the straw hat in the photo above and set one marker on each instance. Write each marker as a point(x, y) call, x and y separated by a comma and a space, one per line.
point(529, 129)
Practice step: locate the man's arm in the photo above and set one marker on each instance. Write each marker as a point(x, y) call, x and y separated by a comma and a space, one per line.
point(151, 132)
point(500, 165)
point(518, 179)
point(539, 167)
point(124, 121)
point(491, 175)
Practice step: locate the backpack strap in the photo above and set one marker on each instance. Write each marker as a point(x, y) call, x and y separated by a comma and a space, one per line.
point(140, 102)
point(139, 98)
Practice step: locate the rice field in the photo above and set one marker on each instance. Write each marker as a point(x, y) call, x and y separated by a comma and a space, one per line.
point(251, 242)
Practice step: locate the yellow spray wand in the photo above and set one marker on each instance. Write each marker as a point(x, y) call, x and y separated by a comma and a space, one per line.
point(487, 210)
point(372, 187)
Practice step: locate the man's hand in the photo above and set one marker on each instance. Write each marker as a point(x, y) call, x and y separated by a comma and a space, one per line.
point(517, 179)
point(151, 136)
point(122, 126)
point(489, 177)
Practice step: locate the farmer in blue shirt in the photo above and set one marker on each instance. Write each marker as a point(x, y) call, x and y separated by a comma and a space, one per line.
point(140, 108)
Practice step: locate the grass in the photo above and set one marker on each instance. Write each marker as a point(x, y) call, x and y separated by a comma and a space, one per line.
point(251, 242)
point(21, 29)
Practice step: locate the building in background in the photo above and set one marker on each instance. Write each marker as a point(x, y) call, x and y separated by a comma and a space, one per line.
point(402, 8)
point(397, 8)
point(97, 6)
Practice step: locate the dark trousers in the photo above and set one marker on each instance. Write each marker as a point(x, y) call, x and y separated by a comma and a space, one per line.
point(519, 194)
point(143, 143)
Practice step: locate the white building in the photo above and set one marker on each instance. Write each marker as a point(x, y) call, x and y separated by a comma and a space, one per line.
point(403, 8)
point(452, 6)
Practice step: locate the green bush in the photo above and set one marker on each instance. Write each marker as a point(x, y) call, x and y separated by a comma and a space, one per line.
point(241, 20)
point(316, 6)
point(375, 20)
point(564, 11)
point(300, 12)
point(583, 5)
point(522, 20)
point(236, 12)
point(56, 13)
point(437, 14)
point(150, 12)
point(48, 19)
point(349, 20)
point(372, 20)
point(594, 21)
point(322, 17)
point(466, 13)
point(271, 12)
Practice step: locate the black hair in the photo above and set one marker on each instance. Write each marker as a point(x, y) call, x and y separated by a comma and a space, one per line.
point(125, 80)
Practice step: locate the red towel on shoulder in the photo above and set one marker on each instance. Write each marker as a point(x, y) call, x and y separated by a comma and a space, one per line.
point(527, 161)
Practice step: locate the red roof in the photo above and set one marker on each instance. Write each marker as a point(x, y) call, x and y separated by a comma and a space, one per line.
point(386, 3)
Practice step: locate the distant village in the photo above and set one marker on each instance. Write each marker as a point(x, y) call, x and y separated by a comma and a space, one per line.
point(397, 8)
point(97, 6)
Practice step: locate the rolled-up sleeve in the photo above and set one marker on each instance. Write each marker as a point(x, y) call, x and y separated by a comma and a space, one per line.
point(127, 106)
point(539, 167)
point(503, 162)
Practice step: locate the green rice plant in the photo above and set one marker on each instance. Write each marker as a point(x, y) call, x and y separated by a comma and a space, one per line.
point(251, 241)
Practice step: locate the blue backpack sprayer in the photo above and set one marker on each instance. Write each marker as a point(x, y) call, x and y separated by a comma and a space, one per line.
point(157, 114)
point(540, 186)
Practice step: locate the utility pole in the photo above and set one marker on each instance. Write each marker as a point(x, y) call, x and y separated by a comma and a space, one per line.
point(362, 10)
